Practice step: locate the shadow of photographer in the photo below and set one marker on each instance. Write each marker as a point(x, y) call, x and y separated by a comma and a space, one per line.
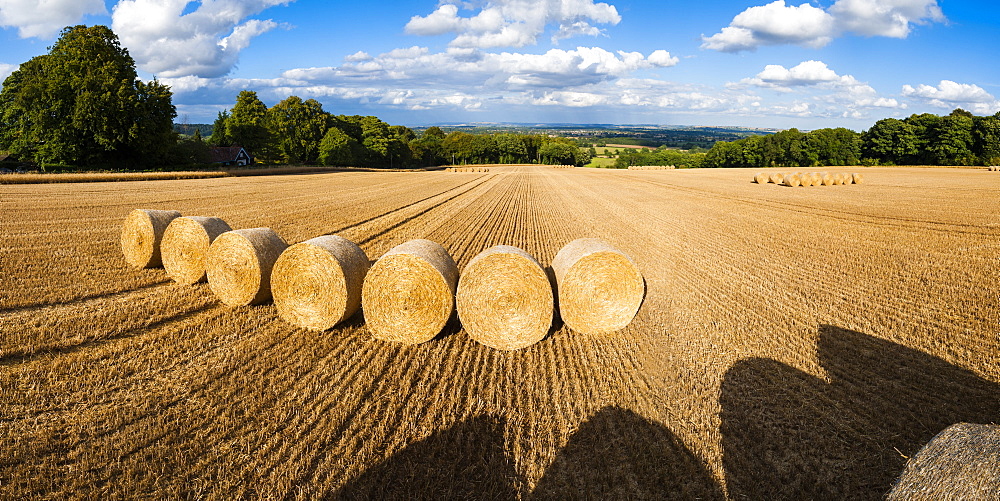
point(790, 435)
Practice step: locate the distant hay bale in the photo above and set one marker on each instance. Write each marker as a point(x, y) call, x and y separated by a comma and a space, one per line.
point(961, 462)
point(776, 177)
point(826, 179)
point(185, 247)
point(142, 234)
point(599, 288)
point(409, 293)
point(816, 178)
point(504, 299)
point(857, 178)
point(240, 263)
point(316, 284)
point(792, 180)
point(761, 178)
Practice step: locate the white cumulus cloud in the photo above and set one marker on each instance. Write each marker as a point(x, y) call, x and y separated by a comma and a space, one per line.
point(205, 42)
point(886, 18)
point(44, 19)
point(779, 24)
point(513, 23)
point(832, 95)
point(949, 94)
point(6, 70)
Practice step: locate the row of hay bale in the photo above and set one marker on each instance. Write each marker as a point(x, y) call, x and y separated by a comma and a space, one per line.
point(467, 169)
point(563, 166)
point(808, 178)
point(993, 168)
point(504, 297)
point(651, 167)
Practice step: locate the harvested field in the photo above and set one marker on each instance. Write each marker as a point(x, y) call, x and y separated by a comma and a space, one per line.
point(743, 375)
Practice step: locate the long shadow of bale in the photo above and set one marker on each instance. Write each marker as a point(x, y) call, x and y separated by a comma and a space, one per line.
point(789, 435)
point(466, 461)
point(617, 454)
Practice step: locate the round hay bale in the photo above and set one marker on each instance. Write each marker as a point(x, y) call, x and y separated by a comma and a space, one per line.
point(838, 179)
point(240, 263)
point(185, 247)
point(776, 177)
point(792, 180)
point(858, 178)
point(825, 179)
point(316, 284)
point(409, 293)
point(961, 462)
point(761, 178)
point(600, 289)
point(142, 234)
point(505, 299)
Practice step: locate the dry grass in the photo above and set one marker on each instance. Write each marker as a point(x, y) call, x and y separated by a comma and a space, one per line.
point(600, 287)
point(738, 378)
point(409, 293)
point(142, 236)
point(317, 283)
point(504, 299)
point(185, 245)
point(239, 265)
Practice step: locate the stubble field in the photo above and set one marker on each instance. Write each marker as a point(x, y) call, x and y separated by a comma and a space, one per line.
point(794, 342)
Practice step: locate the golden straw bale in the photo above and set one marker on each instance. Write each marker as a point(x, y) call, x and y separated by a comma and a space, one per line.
point(776, 177)
point(240, 263)
point(826, 179)
point(317, 283)
point(185, 247)
point(599, 288)
point(504, 299)
point(805, 179)
point(858, 178)
point(792, 180)
point(761, 178)
point(409, 293)
point(142, 234)
point(816, 178)
point(838, 179)
point(961, 462)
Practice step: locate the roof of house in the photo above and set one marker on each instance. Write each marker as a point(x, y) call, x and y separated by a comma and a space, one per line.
point(224, 153)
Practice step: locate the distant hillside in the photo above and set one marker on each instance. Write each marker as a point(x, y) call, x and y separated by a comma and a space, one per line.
point(188, 129)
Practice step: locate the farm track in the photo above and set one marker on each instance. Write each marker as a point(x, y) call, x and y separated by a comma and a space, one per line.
point(793, 342)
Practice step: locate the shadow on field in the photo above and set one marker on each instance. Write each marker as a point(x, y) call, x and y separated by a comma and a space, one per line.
point(616, 454)
point(789, 435)
point(466, 461)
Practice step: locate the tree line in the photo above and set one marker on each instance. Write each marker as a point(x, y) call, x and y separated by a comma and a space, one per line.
point(959, 138)
point(297, 131)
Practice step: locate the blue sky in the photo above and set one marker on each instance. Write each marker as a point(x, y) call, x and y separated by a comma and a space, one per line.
point(830, 63)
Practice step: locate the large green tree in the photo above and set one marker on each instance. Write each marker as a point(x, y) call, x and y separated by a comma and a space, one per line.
point(246, 126)
point(338, 148)
point(986, 139)
point(951, 140)
point(82, 104)
point(297, 127)
point(890, 141)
